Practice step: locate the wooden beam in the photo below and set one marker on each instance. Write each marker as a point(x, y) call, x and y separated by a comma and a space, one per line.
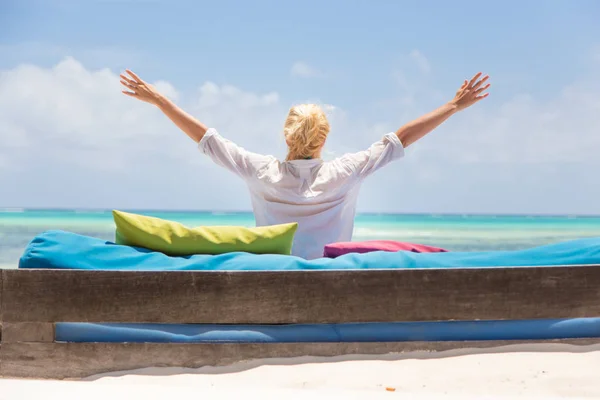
point(22, 332)
point(76, 360)
point(301, 296)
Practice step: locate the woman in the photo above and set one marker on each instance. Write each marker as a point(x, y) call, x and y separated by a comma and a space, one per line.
point(320, 196)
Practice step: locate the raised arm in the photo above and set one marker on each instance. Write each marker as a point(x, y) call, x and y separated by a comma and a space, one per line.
point(141, 90)
point(222, 151)
point(469, 93)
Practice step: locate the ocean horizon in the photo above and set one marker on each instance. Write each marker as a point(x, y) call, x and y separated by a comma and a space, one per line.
point(453, 231)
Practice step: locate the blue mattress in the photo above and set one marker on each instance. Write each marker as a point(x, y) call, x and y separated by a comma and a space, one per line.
point(64, 250)
point(365, 332)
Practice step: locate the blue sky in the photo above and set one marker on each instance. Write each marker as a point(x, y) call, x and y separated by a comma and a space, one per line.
point(69, 139)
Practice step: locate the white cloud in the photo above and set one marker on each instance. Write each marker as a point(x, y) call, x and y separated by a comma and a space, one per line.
point(71, 110)
point(303, 70)
point(399, 77)
point(69, 124)
point(421, 61)
point(412, 76)
point(526, 130)
point(411, 71)
point(68, 137)
point(561, 128)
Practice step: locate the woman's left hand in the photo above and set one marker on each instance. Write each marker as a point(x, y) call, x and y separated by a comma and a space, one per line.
point(471, 92)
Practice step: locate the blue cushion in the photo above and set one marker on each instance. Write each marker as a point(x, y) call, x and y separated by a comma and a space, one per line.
point(64, 250)
point(351, 332)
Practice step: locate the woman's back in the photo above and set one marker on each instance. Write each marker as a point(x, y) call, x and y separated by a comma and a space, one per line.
point(319, 195)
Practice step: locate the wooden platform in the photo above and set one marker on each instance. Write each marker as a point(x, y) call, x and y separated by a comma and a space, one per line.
point(32, 301)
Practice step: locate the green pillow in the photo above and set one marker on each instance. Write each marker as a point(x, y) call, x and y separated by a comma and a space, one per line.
point(175, 239)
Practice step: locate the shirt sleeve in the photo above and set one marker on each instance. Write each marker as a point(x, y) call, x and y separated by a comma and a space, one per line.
point(379, 154)
point(231, 156)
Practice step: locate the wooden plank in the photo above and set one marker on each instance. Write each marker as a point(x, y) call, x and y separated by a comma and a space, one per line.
point(301, 296)
point(76, 360)
point(27, 332)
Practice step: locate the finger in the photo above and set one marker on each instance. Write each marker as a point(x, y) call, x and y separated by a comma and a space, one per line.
point(482, 96)
point(480, 82)
point(137, 78)
point(126, 79)
point(129, 93)
point(477, 75)
point(483, 88)
point(127, 85)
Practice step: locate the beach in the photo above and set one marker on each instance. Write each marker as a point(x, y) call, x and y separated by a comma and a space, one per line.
point(513, 372)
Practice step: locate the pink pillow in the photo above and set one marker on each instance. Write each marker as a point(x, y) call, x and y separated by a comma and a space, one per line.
point(334, 250)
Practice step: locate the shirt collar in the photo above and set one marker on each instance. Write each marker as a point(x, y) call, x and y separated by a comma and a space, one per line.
point(306, 163)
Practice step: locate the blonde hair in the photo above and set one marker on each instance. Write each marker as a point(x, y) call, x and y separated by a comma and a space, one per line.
point(305, 130)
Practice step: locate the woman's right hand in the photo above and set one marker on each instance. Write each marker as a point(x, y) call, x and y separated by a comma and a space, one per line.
point(139, 89)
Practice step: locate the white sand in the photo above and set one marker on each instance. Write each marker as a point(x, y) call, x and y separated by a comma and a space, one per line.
point(556, 372)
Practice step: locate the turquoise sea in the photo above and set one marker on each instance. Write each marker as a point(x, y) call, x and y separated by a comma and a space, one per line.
point(454, 232)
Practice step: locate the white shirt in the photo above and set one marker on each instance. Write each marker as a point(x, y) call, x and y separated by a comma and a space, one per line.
point(319, 195)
